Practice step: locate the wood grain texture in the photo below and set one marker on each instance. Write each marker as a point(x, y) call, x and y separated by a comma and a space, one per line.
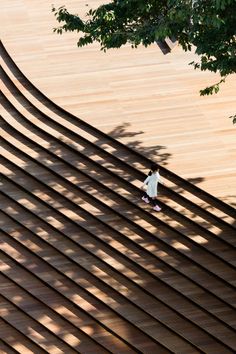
point(142, 97)
point(86, 266)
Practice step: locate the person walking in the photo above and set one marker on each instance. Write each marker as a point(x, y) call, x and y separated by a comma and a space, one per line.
point(152, 187)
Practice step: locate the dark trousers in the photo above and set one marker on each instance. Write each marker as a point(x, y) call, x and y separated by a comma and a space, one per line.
point(153, 201)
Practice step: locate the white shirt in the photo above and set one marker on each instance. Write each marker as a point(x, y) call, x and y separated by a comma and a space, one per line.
point(152, 183)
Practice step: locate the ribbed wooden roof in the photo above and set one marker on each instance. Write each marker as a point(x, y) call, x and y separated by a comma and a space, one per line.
point(86, 266)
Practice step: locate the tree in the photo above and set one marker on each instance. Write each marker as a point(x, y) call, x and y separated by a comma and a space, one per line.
point(207, 26)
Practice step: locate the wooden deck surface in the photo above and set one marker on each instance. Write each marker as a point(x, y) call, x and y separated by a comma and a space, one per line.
point(145, 99)
point(86, 266)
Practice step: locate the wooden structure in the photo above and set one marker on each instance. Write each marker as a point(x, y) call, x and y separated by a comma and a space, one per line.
point(86, 267)
point(143, 98)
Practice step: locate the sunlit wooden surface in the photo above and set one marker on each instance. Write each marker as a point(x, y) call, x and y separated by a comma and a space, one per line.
point(86, 266)
point(142, 97)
